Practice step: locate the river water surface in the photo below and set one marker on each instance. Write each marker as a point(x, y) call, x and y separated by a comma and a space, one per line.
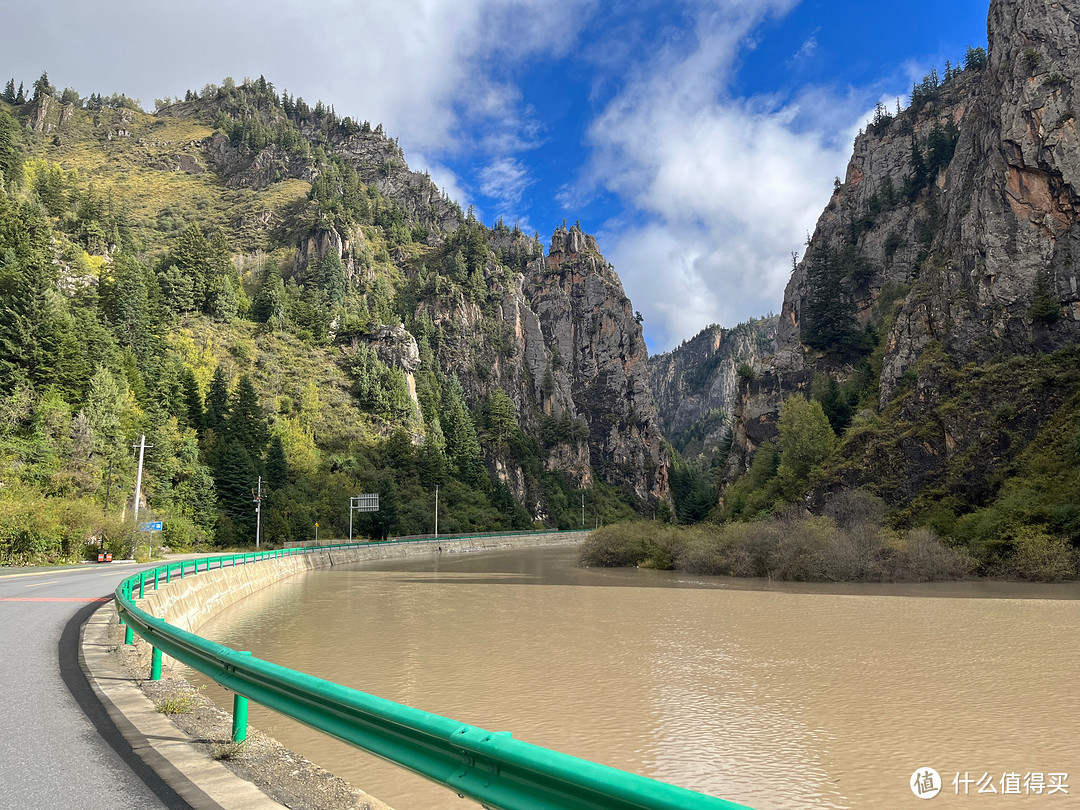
point(775, 695)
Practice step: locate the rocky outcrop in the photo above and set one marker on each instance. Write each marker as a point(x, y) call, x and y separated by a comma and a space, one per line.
point(242, 167)
point(594, 339)
point(563, 343)
point(380, 162)
point(349, 246)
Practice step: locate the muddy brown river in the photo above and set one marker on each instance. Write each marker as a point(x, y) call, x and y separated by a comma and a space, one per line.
point(775, 695)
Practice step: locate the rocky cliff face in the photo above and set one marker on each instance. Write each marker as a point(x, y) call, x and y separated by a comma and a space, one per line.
point(595, 344)
point(1010, 202)
point(955, 227)
point(565, 346)
point(696, 387)
point(560, 338)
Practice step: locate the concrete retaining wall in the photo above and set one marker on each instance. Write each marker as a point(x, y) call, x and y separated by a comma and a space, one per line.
point(190, 602)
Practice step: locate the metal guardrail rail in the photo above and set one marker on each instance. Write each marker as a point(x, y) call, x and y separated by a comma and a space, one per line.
point(492, 768)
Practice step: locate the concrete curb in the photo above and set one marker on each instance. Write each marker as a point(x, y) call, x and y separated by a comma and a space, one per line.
point(199, 780)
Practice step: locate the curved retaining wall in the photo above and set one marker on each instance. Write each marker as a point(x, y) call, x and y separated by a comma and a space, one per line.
point(190, 602)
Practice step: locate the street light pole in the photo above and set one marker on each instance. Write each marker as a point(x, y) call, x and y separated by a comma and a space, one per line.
point(436, 511)
point(583, 509)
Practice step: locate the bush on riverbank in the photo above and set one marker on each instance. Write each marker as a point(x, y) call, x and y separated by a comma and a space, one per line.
point(849, 544)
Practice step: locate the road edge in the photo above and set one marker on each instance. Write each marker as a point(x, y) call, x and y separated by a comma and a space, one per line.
point(168, 751)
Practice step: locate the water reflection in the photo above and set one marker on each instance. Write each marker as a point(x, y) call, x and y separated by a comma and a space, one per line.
point(771, 694)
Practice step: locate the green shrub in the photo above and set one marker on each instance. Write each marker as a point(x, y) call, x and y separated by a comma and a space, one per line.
point(790, 546)
point(1042, 556)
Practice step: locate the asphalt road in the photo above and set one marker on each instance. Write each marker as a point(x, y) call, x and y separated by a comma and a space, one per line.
point(58, 748)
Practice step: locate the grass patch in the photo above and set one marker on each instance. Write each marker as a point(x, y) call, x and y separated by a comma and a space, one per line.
point(182, 703)
point(228, 752)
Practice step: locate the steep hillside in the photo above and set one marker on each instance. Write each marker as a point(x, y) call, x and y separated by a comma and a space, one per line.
point(271, 286)
point(936, 309)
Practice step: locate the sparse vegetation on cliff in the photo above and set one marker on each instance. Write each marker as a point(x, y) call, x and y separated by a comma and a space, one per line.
point(264, 289)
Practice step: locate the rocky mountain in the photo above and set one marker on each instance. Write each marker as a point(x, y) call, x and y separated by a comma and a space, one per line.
point(938, 275)
point(252, 231)
point(697, 385)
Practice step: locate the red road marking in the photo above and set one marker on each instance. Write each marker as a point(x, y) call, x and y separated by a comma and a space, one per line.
point(55, 598)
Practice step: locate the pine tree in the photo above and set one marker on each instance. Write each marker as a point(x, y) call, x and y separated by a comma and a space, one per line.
point(193, 401)
point(246, 422)
point(11, 160)
point(829, 323)
point(126, 302)
point(332, 272)
point(462, 446)
point(501, 418)
point(104, 406)
point(217, 402)
point(277, 465)
point(9, 92)
point(269, 303)
point(43, 87)
point(975, 59)
point(235, 477)
point(193, 257)
point(33, 320)
point(20, 97)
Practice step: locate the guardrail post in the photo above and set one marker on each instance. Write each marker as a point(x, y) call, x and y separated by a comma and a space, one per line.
point(155, 665)
point(239, 713)
point(142, 584)
point(129, 635)
point(168, 574)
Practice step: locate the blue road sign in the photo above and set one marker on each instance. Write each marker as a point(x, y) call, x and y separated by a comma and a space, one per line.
point(154, 526)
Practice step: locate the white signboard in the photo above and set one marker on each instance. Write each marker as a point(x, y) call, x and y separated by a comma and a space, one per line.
point(368, 502)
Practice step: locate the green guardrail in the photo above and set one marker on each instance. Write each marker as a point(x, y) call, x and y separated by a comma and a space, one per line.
point(492, 768)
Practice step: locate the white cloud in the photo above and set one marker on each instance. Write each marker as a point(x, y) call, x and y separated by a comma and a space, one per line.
point(806, 50)
point(724, 188)
point(417, 66)
point(504, 180)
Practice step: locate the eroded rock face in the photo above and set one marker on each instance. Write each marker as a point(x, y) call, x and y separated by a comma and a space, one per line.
point(242, 167)
point(1011, 196)
point(563, 344)
point(980, 258)
point(594, 339)
point(380, 162)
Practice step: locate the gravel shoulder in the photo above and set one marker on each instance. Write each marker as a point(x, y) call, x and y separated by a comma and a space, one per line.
point(197, 744)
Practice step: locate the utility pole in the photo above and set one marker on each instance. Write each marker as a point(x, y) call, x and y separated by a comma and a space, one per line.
point(436, 511)
point(258, 512)
point(108, 489)
point(583, 509)
point(142, 445)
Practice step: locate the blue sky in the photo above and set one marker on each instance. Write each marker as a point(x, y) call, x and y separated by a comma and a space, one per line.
point(697, 140)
